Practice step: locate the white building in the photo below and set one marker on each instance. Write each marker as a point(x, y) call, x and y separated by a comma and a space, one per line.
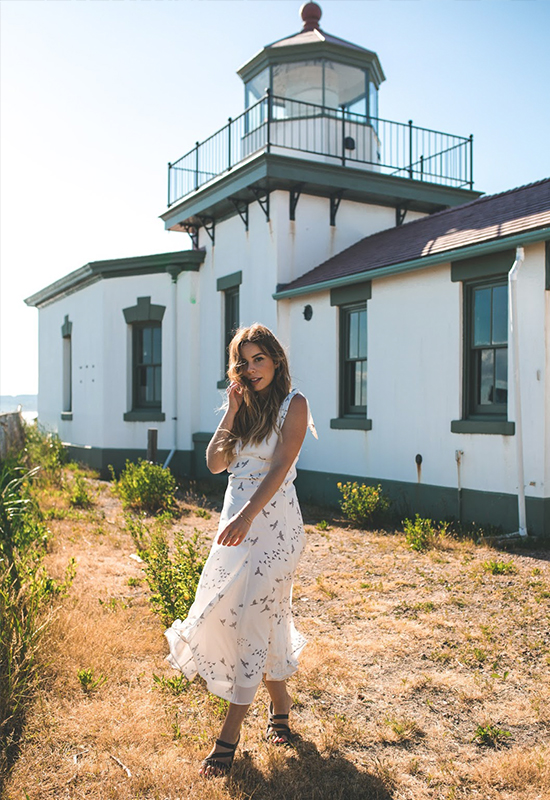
point(362, 244)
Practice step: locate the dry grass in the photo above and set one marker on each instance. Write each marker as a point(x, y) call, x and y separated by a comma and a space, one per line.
point(408, 654)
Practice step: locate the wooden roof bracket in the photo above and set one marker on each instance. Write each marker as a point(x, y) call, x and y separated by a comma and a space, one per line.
point(262, 196)
point(335, 200)
point(400, 213)
point(192, 231)
point(209, 225)
point(293, 197)
point(241, 207)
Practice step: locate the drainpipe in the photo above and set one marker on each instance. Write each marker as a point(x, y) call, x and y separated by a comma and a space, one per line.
point(174, 303)
point(458, 459)
point(514, 335)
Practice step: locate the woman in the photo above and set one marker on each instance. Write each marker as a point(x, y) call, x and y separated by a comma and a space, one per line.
point(240, 628)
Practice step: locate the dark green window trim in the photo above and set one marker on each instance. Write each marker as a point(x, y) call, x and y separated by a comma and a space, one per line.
point(67, 367)
point(67, 415)
point(67, 327)
point(144, 415)
point(229, 281)
point(223, 384)
point(483, 267)
point(349, 363)
point(351, 424)
point(146, 372)
point(355, 293)
point(144, 311)
point(547, 265)
point(494, 426)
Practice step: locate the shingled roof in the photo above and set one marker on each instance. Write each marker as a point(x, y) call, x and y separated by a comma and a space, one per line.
point(490, 218)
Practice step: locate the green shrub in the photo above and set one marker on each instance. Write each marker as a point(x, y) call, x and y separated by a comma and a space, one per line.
point(79, 494)
point(145, 487)
point(172, 576)
point(490, 735)
point(500, 567)
point(365, 505)
point(421, 534)
point(88, 683)
point(46, 450)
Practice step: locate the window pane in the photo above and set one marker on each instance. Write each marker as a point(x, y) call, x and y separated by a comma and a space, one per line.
point(146, 346)
point(156, 336)
point(501, 375)
point(482, 316)
point(302, 80)
point(345, 86)
point(353, 335)
point(149, 388)
point(141, 378)
point(362, 334)
point(500, 315)
point(157, 387)
point(256, 87)
point(486, 377)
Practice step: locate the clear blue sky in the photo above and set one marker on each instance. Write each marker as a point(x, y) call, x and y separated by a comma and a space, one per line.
point(98, 95)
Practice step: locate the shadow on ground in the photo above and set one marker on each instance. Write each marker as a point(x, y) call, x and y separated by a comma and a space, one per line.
point(306, 775)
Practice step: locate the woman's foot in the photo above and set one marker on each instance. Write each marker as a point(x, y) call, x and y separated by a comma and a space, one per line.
point(219, 761)
point(278, 731)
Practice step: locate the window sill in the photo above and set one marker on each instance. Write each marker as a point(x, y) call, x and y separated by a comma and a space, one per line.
point(67, 415)
point(351, 424)
point(490, 426)
point(144, 415)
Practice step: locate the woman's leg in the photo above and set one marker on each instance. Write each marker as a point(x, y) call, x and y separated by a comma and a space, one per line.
point(229, 733)
point(281, 703)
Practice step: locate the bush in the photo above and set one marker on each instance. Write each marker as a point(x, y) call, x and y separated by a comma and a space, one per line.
point(79, 494)
point(145, 487)
point(46, 450)
point(365, 505)
point(421, 534)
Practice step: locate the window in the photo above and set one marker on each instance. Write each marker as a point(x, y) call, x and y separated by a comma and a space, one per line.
point(229, 286)
point(353, 321)
point(485, 337)
point(147, 350)
point(488, 346)
point(145, 363)
point(352, 308)
point(67, 386)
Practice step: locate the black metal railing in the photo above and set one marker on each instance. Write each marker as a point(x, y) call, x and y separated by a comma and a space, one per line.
point(278, 124)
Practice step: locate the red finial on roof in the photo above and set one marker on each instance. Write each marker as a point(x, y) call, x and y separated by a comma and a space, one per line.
point(311, 14)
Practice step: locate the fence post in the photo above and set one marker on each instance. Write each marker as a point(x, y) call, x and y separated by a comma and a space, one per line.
point(343, 135)
point(229, 122)
point(196, 165)
point(410, 148)
point(269, 113)
point(471, 161)
point(152, 441)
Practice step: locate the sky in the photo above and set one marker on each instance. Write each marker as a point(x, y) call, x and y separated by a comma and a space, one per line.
point(96, 96)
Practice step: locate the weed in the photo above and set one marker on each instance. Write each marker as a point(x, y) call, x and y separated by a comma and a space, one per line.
point(402, 729)
point(134, 581)
point(79, 494)
point(421, 534)
point(87, 681)
point(490, 735)
point(145, 487)
point(500, 567)
point(219, 705)
point(47, 450)
point(330, 593)
point(176, 685)
point(323, 525)
point(203, 512)
point(365, 505)
point(138, 530)
point(113, 603)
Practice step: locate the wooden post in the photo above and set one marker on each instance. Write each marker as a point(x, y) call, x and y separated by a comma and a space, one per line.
point(152, 441)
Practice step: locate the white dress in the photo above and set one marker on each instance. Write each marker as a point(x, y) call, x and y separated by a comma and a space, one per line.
point(240, 625)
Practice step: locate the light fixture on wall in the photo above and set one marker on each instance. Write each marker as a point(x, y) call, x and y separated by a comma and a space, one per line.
point(307, 312)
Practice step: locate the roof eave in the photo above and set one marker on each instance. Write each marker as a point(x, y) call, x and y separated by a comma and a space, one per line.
point(469, 251)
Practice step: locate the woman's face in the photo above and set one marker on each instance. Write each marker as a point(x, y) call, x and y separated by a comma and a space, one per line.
point(258, 369)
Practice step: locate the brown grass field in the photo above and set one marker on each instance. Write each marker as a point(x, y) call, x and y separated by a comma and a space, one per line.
point(409, 655)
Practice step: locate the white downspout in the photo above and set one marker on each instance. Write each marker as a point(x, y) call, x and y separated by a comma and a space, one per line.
point(174, 316)
point(514, 335)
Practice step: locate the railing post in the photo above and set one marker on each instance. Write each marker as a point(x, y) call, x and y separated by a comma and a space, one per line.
point(169, 170)
point(421, 168)
point(410, 148)
point(196, 165)
point(229, 122)
point(471, 161)
point(269, 113)
point(343, 135)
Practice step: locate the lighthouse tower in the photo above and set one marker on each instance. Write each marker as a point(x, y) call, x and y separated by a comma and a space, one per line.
point(307, 169)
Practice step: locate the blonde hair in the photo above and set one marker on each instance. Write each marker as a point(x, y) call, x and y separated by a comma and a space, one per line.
point(257, 416)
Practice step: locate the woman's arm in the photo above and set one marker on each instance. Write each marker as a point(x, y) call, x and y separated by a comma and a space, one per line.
point(286, 450)
point(215, 460)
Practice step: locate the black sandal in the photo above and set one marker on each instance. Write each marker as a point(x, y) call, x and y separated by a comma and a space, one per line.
point(221, 762)
point(277, 730)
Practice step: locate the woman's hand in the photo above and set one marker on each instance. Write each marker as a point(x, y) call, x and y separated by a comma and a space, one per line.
point(235, 531)
point(234, 397)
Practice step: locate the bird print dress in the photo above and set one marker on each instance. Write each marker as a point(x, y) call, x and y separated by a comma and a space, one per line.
point(240, 625)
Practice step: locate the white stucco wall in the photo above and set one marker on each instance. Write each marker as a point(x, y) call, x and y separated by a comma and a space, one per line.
point(415, 383)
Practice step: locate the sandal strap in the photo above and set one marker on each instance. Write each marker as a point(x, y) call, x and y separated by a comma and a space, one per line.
point(278, 716)
point(229, 746)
